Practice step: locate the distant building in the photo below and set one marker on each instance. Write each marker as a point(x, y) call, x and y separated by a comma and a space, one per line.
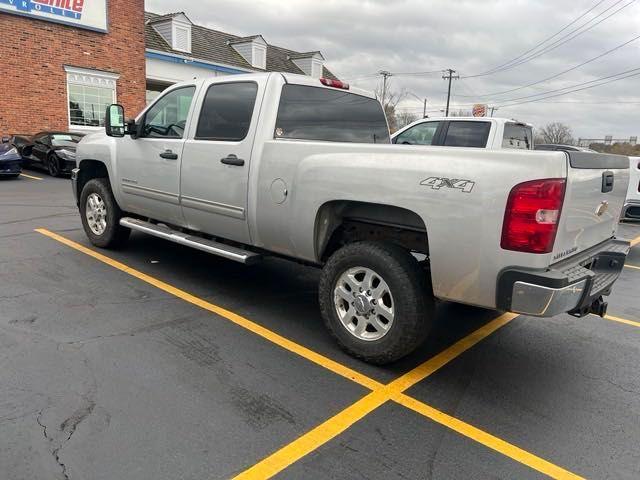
point(178, 50)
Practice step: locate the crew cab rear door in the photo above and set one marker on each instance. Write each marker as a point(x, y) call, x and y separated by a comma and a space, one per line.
point(595, 193)
point(217, 157)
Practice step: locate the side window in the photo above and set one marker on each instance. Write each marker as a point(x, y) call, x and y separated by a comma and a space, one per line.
point(467, 134)
point(168, 116)
point(517, 136)
point(421, 134)
point(226, 111)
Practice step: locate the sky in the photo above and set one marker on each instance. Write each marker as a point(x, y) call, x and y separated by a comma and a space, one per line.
point(359, 38)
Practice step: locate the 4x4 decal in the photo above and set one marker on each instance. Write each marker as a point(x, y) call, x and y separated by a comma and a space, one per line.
point(438, 182)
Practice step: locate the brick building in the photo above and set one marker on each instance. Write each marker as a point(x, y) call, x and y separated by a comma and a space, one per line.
point(64, 61)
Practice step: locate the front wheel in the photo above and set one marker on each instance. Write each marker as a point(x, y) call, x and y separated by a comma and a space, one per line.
point(53, 165)
point(101, 215)
point(376, 300)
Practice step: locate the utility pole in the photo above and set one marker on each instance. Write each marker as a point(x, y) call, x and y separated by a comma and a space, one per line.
point(449, 74)
point(493, 109)
point(385, 74)
point(424, 109)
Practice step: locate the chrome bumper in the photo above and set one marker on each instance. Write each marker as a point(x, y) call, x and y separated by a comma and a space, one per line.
point(571, 286)
point(542, 301)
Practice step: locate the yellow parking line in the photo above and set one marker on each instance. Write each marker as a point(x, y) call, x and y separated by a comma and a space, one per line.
point(622, 320)
point(379, 395)
point(235, 318)
point(315, 438)
point(635, 241)
point(486, 439)
point(427, 368)
point(30, 176)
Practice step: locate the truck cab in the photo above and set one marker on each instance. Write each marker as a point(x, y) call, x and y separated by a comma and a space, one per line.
point(469, 132)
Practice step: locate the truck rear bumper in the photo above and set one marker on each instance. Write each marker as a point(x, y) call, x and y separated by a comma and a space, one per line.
point(573, 286)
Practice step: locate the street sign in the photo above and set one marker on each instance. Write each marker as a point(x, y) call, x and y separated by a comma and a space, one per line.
point(479, 110)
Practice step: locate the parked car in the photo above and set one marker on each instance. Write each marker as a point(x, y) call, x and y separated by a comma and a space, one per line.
point(54, 151)
point(477, 132)
point(10, 160)
point(631, 209)
point(280, 164)
point(562, 148)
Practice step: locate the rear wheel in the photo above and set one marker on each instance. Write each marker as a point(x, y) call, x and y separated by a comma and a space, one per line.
point(53, 165)
point(376, 301)
point(101, 215)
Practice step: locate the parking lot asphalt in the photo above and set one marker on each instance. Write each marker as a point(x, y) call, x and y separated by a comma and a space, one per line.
point(158, 361)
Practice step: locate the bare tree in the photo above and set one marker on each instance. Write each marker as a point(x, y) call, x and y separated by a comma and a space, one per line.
point(404, 118)
point(391, 99)
point(557, 133)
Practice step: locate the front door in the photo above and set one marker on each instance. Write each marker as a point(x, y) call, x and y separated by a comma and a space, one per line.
point(149, 165)
point(215, 167)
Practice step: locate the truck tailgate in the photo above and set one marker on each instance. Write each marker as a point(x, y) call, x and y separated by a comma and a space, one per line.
point(595, 193)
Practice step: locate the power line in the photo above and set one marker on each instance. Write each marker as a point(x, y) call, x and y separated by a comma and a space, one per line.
point(522, 59)
point(511, 103)
point(571, 86)
point(557, 74)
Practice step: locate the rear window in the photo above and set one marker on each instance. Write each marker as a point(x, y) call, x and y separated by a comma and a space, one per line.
point(517, 136)
point(313, 113)
point(467, 134)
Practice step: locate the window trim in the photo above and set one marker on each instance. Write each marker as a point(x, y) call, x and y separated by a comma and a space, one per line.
point(88, 77)
point(143, 116)
point(204, 99)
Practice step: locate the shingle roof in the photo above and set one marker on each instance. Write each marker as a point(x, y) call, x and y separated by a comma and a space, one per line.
point(213, 46)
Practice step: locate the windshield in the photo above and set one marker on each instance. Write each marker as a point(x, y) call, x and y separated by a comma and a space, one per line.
point(314, 113)
point(60, 139)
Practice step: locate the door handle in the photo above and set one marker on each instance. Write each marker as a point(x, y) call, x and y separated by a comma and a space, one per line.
point(232, 160)
point(169, 155)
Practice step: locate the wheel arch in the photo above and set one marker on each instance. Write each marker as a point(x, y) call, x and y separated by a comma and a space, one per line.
point(88, 170)
point(339, 222)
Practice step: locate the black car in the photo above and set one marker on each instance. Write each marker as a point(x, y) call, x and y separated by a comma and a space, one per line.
point(10, 160)
point(55, 151)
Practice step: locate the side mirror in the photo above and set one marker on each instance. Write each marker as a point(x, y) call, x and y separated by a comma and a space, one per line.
point(114, 121)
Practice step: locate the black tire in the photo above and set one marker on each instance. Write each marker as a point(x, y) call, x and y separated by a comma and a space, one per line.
point(413, 300)
point(53, 165)
point(114, 235)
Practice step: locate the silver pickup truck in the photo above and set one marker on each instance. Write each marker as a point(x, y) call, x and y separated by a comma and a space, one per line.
point(275, 164)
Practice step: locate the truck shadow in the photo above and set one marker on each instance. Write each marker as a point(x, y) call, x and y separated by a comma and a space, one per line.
point(282, 296)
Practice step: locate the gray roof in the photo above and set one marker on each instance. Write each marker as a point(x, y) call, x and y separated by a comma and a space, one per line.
point(215, 46)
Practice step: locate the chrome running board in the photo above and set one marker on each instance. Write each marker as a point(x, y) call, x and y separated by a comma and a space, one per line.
point(199, 243)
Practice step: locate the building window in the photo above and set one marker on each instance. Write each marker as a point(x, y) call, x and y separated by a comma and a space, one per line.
point(90, 92)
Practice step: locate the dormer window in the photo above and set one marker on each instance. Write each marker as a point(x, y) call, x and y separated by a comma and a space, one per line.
point(311, 63)
point(175, 29)
point(252, 49)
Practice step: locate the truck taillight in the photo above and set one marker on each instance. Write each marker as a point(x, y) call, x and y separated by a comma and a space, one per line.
point(334, 83)
point(532, 215)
